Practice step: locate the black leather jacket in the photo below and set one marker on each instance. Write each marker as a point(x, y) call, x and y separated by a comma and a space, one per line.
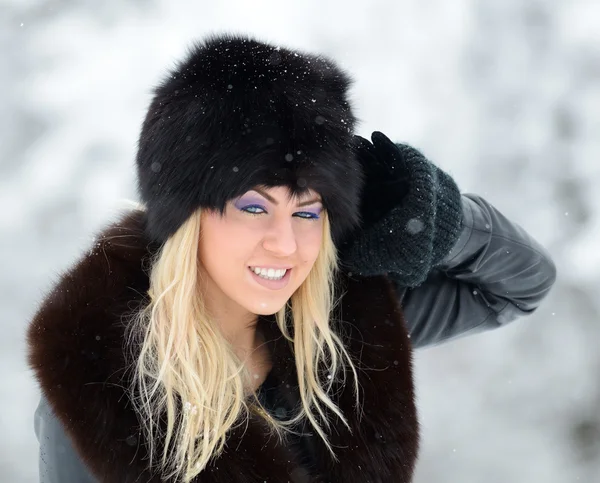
point(495, 273)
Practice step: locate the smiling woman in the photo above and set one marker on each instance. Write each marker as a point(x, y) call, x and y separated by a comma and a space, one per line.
point(211, 336)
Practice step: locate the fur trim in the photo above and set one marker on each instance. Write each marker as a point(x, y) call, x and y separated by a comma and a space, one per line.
point(238, 113)
point(76, 348)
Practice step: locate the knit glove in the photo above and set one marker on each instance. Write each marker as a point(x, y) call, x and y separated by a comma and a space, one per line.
point(411, 214)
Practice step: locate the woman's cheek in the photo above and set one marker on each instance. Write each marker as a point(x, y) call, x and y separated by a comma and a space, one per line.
point(312, 238)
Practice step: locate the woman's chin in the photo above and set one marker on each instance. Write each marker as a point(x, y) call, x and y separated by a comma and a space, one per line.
point(267, 308)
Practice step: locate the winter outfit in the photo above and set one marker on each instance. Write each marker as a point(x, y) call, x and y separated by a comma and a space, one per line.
point(420, 265)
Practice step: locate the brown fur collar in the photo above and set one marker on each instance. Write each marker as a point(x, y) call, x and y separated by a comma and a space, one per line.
point(76, 350)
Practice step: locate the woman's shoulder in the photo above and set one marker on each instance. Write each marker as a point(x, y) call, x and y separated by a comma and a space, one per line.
point(370, 305)
point(76, 338)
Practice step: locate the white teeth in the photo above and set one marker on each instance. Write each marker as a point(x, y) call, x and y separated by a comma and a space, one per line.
point(269, 274)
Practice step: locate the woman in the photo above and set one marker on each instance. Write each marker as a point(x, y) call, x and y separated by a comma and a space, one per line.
point(247, 323)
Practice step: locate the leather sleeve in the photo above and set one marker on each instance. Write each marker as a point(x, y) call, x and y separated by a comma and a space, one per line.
point(58, 460)
point(495, 273)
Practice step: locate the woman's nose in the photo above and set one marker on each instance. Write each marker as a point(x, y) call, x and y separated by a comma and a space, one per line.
point(280, 238)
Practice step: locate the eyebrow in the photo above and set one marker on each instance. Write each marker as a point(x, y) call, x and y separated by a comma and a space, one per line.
point(274, 201)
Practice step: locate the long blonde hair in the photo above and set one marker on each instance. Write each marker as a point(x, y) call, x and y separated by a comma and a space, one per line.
point(187, 373)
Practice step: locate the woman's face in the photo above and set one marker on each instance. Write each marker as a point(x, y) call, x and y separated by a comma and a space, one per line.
point(260, 230)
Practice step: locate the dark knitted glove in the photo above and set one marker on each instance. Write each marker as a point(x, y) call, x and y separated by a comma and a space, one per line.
point(411, 214)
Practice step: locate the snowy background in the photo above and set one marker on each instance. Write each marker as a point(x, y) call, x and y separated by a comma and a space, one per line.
point(503, 94)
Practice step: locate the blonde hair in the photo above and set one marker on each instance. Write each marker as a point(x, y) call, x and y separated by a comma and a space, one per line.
point(187, 373)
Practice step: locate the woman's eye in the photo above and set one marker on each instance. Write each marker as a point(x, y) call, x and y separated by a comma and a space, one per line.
point(310, 216)
point(250, 209)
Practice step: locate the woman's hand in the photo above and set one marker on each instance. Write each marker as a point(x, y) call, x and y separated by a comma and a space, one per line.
point(411, 213)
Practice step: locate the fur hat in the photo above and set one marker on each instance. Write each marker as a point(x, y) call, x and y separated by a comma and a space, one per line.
point(237, 113)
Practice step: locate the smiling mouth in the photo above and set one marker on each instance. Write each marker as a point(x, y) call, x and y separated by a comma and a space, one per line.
point(270, 274)
point(274, 283)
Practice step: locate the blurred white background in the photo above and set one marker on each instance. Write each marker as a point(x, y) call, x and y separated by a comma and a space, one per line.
point(503, 94)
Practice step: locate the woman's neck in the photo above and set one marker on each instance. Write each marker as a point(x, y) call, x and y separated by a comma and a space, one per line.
point(250, 346)
point(258, 362)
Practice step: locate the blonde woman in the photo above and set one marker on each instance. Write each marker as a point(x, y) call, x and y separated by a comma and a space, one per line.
point(245, 324)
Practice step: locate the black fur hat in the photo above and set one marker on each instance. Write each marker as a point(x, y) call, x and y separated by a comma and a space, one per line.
point(239, 113)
